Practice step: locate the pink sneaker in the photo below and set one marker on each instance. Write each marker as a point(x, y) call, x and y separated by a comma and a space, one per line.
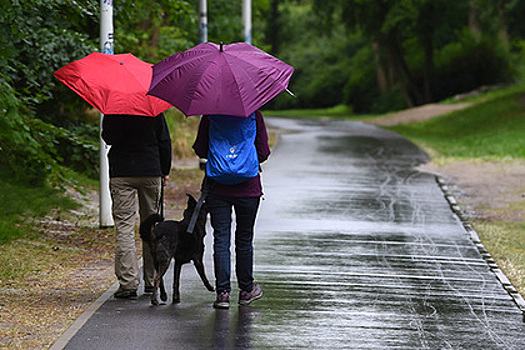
point(246, 298)
point(222, 301)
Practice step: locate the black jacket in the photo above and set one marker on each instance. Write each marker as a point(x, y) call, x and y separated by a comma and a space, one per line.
point(140, 146)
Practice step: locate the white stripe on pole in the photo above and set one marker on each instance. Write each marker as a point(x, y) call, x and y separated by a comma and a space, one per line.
point(203, 21)
point(247, 19)
point(106, 46)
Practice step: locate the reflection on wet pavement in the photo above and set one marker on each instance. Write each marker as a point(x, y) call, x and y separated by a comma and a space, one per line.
point(355, 249)
point(363, 251)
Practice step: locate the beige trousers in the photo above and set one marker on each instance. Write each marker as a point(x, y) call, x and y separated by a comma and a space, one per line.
point(123, 194)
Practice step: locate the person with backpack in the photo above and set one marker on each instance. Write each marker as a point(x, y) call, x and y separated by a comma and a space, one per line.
point(234, 148)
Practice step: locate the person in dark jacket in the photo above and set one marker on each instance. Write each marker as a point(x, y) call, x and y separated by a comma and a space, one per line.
point(139, 163)
point(244, 198)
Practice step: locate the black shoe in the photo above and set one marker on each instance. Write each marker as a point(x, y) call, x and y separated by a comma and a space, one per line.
point(148, 290)
point(126, 294)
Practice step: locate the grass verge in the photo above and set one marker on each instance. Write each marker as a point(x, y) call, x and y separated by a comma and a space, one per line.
point(18, 203)
point(492, 129)
point(49, 277)
point(57, 267)
point(506, 243)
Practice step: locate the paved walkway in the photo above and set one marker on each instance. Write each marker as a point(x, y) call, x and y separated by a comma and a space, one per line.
point(355, 249)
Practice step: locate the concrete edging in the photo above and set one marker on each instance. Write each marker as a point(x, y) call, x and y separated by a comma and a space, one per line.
point(493, 266)
point(82, 319)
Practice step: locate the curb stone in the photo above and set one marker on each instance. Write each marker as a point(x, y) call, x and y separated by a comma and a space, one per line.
point(469, 228)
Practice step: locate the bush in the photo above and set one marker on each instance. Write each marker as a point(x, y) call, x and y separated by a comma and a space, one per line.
point(20, 154)
point(391, 101)
point(467, 65)
point(361, 91)
point(67, 148)
point(31, 150)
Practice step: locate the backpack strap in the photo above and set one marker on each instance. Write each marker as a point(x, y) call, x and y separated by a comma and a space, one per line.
point(207, 185)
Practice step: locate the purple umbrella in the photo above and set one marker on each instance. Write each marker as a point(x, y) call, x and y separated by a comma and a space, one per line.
point(235, 79)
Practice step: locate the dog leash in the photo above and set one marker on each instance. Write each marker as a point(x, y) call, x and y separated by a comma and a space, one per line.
point(207, 185)
point(160, 210)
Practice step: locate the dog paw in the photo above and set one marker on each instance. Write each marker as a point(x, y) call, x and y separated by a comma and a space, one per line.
point(154, 302)
point(176, 301)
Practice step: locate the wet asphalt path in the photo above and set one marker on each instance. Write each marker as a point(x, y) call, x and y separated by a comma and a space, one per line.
point(355, 249)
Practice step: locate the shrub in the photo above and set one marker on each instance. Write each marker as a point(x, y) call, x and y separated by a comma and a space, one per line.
point(391, 101)
point(361, 89)
point(31, 150)
point(467, 65)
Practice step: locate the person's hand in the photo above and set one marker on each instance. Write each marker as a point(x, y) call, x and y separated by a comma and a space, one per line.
point(165, 179)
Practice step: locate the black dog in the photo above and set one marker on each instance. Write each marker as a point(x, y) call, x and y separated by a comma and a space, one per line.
point(168, 239)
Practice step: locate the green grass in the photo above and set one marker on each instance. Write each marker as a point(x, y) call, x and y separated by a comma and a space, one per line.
point(506, 243)
point(489, 95)
point(19, 204)
point(493, 129)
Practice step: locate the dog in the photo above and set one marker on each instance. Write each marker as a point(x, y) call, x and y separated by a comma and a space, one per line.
point(168, 239)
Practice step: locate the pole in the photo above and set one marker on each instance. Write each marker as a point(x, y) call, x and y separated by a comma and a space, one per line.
point(203, 37)
point(247, 20)
point(203, 21)
point(106, 46)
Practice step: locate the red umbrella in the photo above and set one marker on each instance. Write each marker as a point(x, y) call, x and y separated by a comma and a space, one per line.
point(113, 84)
point(235, 79)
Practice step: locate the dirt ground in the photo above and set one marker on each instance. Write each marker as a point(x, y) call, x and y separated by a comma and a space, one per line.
point(416, 114)
point(487, 190)
point(36, 312)
point(71, 265)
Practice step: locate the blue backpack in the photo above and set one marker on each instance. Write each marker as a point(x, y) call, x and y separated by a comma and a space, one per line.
point(232, 157)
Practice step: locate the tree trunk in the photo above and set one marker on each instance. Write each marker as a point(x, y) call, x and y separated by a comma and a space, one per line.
point(381, 68)
point(473, 19)
point(273, 27)
point(502, 25)
point(409, 89)
point(427, 41)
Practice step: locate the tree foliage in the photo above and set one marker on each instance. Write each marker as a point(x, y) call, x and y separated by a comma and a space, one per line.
point(153, 30)
point(407, 37)
point(372, 55)
point(37, 38)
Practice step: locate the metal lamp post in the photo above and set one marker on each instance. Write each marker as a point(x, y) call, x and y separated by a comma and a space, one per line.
point(203, 21)
point(203, 37)
point(247, 19)
point(106, 46)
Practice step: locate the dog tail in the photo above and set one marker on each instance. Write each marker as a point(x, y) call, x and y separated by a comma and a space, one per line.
point(146, 228)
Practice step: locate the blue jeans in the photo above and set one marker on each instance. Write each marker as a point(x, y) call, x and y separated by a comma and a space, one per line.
point(220, 209)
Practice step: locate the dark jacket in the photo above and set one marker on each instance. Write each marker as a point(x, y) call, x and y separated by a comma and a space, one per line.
point(140, 145)
point(249, 188)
